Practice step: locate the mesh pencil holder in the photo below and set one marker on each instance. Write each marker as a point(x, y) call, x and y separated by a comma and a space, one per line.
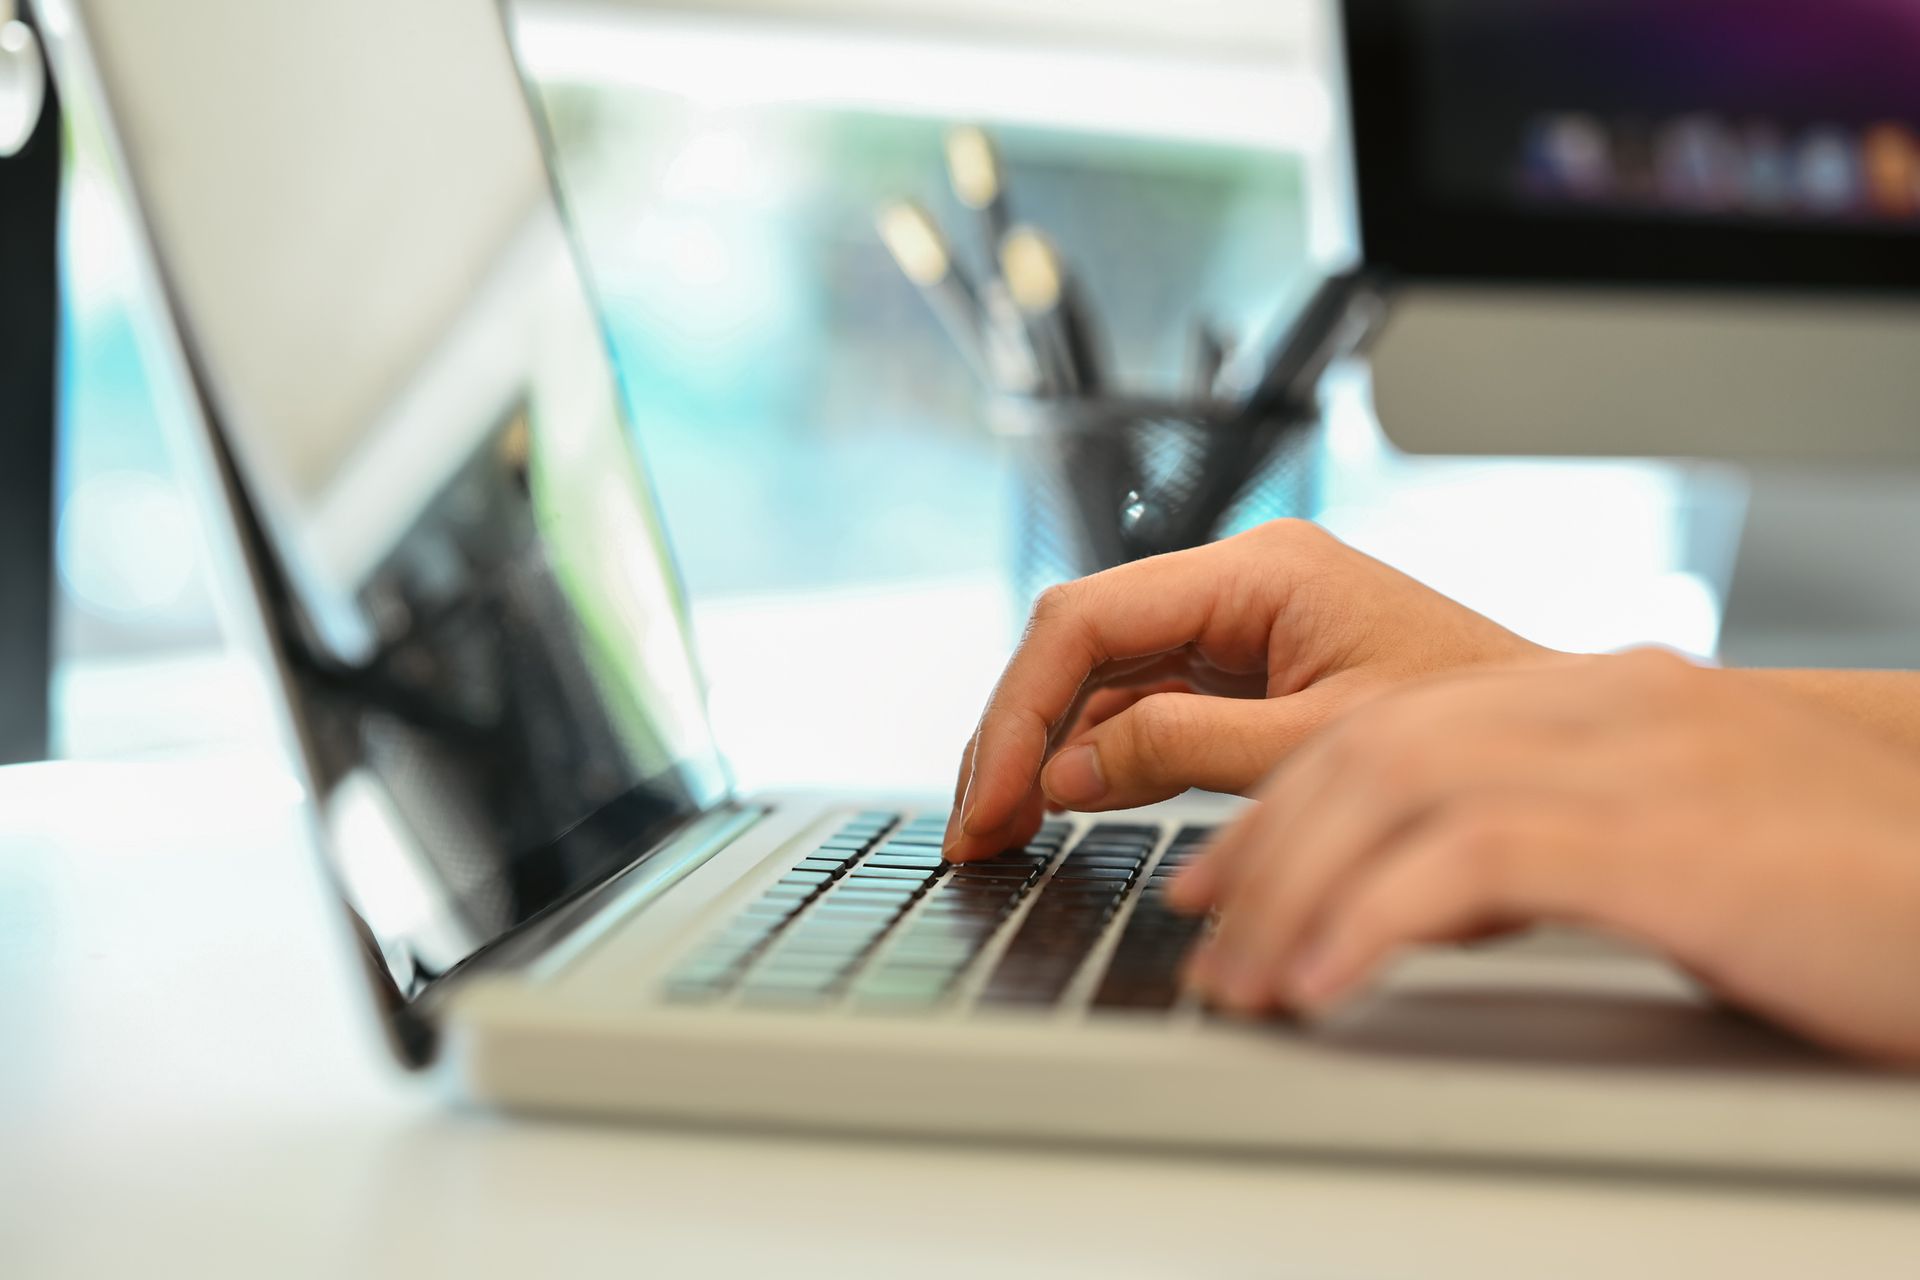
point(1105, 480)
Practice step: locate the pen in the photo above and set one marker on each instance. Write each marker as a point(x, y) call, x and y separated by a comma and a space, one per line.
point(1037, 279)
point(973, 167)
point(1337, 319)
point(1094, 457)
point(924, 258)
point(1209, 353)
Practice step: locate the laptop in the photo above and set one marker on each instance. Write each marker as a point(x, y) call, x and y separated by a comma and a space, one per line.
point(393, 382)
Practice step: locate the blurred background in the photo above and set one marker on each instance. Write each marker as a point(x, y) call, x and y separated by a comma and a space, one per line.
point(850, 525)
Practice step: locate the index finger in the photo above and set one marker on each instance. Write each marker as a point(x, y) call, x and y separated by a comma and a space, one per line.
point(1134, 613)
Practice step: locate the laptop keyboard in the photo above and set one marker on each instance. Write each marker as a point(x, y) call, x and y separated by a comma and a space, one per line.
point(875, 920)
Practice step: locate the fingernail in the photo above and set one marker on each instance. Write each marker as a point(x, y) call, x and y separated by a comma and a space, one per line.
point(966, 806)
point(1074, 778)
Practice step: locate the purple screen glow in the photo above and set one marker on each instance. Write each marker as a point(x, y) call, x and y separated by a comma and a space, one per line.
point(1799, 111)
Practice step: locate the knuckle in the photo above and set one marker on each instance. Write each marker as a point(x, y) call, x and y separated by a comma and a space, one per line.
point(1053, 603)
point(1659, 673)
point(1292, 531)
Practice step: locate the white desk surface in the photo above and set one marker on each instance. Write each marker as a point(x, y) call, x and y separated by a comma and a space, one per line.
point(188, 1086)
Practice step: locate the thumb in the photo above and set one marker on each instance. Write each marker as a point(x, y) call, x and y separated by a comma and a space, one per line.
point(1167, 743)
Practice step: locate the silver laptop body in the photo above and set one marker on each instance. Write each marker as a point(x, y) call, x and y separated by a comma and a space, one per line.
point(387, 368)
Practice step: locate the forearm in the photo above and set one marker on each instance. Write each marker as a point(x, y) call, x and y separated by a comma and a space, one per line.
point(1886, 702)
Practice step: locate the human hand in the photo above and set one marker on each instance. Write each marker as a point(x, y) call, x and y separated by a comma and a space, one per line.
point(1199, 669)
point(1768, 847)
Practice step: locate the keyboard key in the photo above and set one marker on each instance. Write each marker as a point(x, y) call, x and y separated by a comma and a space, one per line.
point(945, 908)
point(840, 908)
point(1142, 993)
point(875, 893)
point(973, 871)
point(885, 880)
point(960, 886)
point(905, 861)
point(713, 968)
point(1062, 888)
point(898, 844)
point(1118, 848)
point(1063, 906)
point(1077, 860)
point(1071, 874)
point(950, 958)
point(816, 973)
point(679, 991)
point(948, 927)
point(902, 984)
point(1144, 972)
point(1051, 943)
point(828, 865)
point(1058, 918)
point(867, 871)
point(877, 890)
point(1026, 989)
point(1035, 969)
point(986, 886)
point(847, 943)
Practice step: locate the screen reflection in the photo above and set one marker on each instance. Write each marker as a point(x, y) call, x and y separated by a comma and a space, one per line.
point(498, 681)
point(469, 587)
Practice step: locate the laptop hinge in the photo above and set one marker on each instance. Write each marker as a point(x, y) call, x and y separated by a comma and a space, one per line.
point(561, 935)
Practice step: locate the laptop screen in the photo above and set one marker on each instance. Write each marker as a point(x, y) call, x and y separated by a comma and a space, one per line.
point(471, 591)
